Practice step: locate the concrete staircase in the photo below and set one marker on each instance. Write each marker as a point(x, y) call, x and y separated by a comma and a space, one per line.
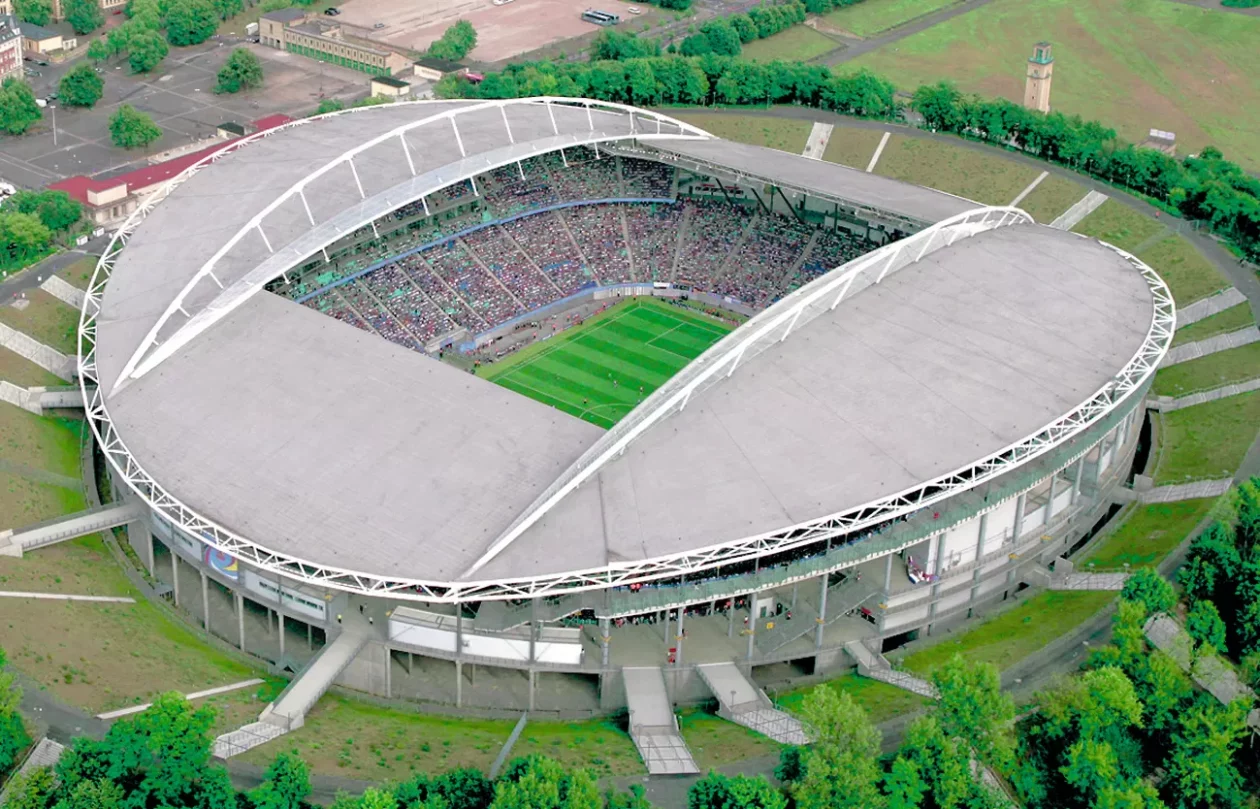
point(1201, 348)
point(874, 665)
point(46, 357)
point(235, 742)
point(745, 704)
point(289, 709)
point(1186, 491)
point(653, 725)
point(1211, 305)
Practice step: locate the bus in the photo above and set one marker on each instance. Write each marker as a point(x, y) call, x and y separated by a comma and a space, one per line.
point(600, 17)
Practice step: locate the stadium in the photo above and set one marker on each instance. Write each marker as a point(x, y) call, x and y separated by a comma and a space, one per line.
point(567, 406)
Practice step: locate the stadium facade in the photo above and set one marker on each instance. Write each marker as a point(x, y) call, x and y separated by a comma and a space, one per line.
point(930, 401)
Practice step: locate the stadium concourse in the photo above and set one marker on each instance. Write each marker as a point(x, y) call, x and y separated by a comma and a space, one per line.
point(920, 404)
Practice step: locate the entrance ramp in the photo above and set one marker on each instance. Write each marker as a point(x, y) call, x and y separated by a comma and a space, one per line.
point(743, 703)
point(653, 725)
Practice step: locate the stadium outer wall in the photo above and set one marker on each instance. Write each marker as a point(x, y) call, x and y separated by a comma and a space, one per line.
point(981, 547)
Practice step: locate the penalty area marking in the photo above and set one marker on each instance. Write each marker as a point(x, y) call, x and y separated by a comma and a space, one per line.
point(64, 597)
point(210, 692)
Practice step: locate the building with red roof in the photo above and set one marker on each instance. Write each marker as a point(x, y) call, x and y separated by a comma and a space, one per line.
point(109, 200)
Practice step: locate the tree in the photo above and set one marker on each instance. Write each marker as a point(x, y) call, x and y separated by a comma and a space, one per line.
point(145, 50)
point(1150, 588)
point(722, 37)
point(1202, 768)
point(943, 765)
point(84, 16)
point(329, 105)
point(241, 71)
point(23, 238)
point(455, 43)
point(228, 8)
point(718, 791)
point(903, 787)
point(675, 5)
point(973, 708)
point(81, 87)
point(98, 50)
point(56, 209)
point(285, 785)
point(1204, 624)
point(99, 794)
point(13, 737)
point(32, 789)
point(36, 12)
point(839, 768)
point(130, 128)
point(18, 109)
point(190, 22)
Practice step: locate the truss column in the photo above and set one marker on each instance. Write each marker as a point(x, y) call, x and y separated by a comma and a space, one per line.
point(822, 613)
point(604, 637)
point(1019, 515)
point(240, 619)
point(1076, 479)
point(205, 602)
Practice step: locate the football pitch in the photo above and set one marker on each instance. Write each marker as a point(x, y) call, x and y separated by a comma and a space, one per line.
point(601, 370)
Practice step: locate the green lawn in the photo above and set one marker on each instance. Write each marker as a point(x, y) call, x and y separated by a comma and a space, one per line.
point(1011, 636)
point(1132, 64)
point(1213, 371)
point(787, 135)
point(1207, 440)
point(40, 442)
point(79, 273)
point(1232, 319)
point(1188, 274)
point(798, 43)
point(982, 176)
point(881, 700)
point(602, 369)
point(355, 740)
point(851, 146)
point(20, 371)
point(45, 318)
point(1118, 224)
point(714, 741)
point(873, 16)
point(1052, 197)
point(1147, 534)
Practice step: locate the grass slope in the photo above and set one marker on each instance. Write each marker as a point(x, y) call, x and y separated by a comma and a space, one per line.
point(24, 373)
point(1014, 634)
point(1189, 275)
point(1213, 371)
point(976, 175)
point(1118, 224)
point(79, 273)
point(1207, 440)
point(850, 146)
point(1133, 64)
point(788, 135)
point(714, 741)
point(874, 16)
point(881, 701)
point(601, 370)
point(1232, 319)
point(797, 43)
point(1147, 534)
point(1052, 197)
point(45, 318)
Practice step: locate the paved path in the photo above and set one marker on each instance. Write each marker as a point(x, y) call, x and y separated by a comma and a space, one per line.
point(1083, 208)
point(879, 150)
point(1211, 305)
point(66, 597)
point(853, 47)
point(1224, 392)
point(209, 692)
point(1211, 345)
point(1031, 187)
point(31, 277)
point(816, 144)
point(1091, 581)
point(1186, 491)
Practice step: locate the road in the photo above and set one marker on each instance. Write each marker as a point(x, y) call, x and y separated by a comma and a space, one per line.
point(12, 284)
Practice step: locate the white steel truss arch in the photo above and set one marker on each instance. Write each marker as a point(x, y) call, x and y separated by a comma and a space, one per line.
point(151, 351)
point(775, 323)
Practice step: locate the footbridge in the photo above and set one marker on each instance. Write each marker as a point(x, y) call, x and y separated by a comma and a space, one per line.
point(50, 532)
point(743, 703)
point(653, 725)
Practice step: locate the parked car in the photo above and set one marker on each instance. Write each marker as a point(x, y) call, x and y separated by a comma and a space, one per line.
point(332, 12)
point(379, 25)
point(634, 10)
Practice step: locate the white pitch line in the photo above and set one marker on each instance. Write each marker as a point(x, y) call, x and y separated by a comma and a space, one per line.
point(63, 597)
point(879, 150)
point(1043, 175)
point(210, 692)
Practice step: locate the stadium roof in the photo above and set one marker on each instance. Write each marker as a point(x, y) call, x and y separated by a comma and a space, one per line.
point(305, 437)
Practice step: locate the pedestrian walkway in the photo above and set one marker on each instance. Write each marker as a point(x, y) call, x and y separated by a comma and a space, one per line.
point(874, 665)
point(1212, 673)
point(67, 293)
point(745, 704)
point(1168, 405)
point(1031, 186)
point(209, 692)
point(1083, 208)
point(1201, 348)
point(37, 400)
point(1090, 581)
point(1211, 305)
point(245, 738)
point(879, 150)
point(653, 725)
point(816, 145)
point(46, 357)
point(66, 597)
point(304, 691)
point(1186, 491)
point(90, 521)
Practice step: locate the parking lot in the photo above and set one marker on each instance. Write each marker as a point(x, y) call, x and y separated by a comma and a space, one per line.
point(180, 97)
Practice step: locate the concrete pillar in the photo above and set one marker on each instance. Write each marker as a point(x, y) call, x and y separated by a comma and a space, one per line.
point(980, 535)
point(678, 659)
point(730, 620)
point(532, 684)
point(1115, 449)
point(1019, 515)
point(794, 586)
point(459, 636)
point(280, 630)
point(240, 619)
point(1076, 479)
point(459, 683)
point(822, 612)
point(888, 566)
point(1050, 501)
point(411, 663)
point(310, 638)
point(665, 629)
point(605, 629)
point(205, 601)
point(175, 576)
point(389, 673)
point(752, 623)
point(533, 633)
point(940, 553)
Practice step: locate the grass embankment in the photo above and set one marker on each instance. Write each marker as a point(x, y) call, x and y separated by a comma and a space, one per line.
point(44, 318)
point(79, 273)
point(39, 467)
point(851, 146)
point(356, 740)
point(20, 371)
point(713, 741)
point(976, 175)
point(1010, 636)
point(1208, 440)
point(1052, 197)
point(1118, 224)
point(1232, 319)
point(881, 700)
point(1211, 371)
point(796, 44)
point(874, 16)
point(1189, 275)
point(1132, 65)
point(1147, 534)
point(788, 135)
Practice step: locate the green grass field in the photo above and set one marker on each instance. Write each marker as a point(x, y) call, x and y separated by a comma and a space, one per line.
point(977, 175)
point(46, 319)
point(1207, 440)
point(1232, 319)
point(1222, 368)
point(797, 43)
point(850, 146)
point(602, 369)
point(1132, 64)
point(1147, 534)
point(874, 16)
point(1188, 274)
point(787, 135)
point(881, 700)
point(1052, 197)
point(1118, 224)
